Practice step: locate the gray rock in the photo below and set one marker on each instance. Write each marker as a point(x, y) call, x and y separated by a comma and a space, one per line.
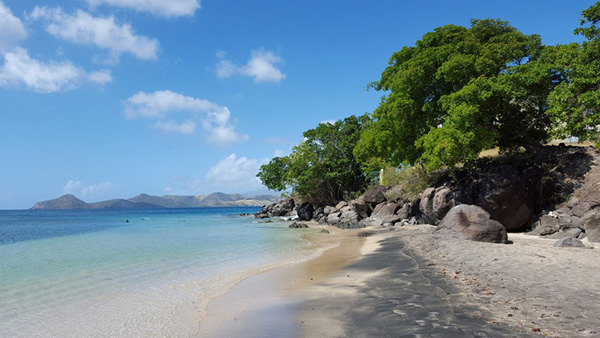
point(435, 203)
point(594, 235)
point(351, 225)
point(340, 205)
point(297, 225)
point(508, 206)
point(472, 223)
point(547, 225)
point(383, 210)
point(365, 233)
point(404, 211)
point(305, 211)
point(591, 220)
point(571, 233)
point(375, 195)
point(349, 217)
point(329, 210)
point(583, 208)
point(569, 242)
point(283, 207)
point(324, 231)
point(333, 218)
point(442, 202)
point(362, 208)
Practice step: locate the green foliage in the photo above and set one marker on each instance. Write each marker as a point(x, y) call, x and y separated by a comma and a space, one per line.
point(459, 91)
point(273, 173)
point(575, 104)
point(322, 169)
point(408, 184)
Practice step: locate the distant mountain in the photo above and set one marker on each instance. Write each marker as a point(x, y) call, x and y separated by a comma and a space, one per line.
point(144, 201)
point(63, 202)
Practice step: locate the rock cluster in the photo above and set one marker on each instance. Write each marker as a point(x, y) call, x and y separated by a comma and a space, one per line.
point(577, 219)
point(481, 204)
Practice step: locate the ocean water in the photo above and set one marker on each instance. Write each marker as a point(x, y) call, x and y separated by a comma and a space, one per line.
point(90, 273)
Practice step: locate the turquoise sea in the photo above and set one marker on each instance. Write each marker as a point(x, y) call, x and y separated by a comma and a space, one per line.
point(128, 273)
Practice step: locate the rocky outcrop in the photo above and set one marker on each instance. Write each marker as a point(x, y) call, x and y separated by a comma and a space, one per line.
point(473, 223)
point(305, 211)
point(375, 195)
point(281, 208)
point(436, 202)
point(593, 235)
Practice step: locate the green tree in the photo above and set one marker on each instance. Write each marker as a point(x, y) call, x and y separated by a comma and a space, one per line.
point(322, 168)
point(459, 91)
point(575, 103)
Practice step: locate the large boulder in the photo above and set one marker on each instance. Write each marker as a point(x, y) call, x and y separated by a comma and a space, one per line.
point(349, 217)
point(305, 211)
point(329, 210)
point(591, 220)
point(509, 206)
point(362, 208)
point(283, 207)
point(333, 218)
point(375, 194)
point(473, 223)
point(547, 225)
point(435, 203)
point(593, 236)
point(387, 213)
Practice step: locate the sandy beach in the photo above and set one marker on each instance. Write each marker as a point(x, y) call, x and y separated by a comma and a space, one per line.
point(410, 283)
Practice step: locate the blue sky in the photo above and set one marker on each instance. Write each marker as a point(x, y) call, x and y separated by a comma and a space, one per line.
point(111, 98)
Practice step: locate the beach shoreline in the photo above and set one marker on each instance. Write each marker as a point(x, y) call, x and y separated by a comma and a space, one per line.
point(409, 282)
point(278, 291)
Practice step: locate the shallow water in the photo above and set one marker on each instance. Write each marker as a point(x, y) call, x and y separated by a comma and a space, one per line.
point(89, 273)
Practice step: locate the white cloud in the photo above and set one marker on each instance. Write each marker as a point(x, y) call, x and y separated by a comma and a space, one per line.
point(101, 77)
point(162, 105)
point(170, 8)
point(155, 105)
point(12, 30)
point(19, 69)
point(226, 69)
point(235, 173)
point(72, 187)
point(261, 66)
point(103, 32)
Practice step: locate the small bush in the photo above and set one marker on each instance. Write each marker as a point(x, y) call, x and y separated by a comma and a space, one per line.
point(408, 183)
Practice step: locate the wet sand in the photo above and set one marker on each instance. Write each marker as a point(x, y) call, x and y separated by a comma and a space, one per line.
point(409, 283)
point(268, 304)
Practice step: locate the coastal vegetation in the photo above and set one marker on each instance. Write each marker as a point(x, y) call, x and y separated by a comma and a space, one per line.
point(457, 92)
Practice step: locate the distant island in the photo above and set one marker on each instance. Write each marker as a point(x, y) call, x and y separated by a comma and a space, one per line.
point(144, 201)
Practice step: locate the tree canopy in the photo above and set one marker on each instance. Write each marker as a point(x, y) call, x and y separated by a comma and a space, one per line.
point(575, 103)
point(322, 168)
point(458, 91)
